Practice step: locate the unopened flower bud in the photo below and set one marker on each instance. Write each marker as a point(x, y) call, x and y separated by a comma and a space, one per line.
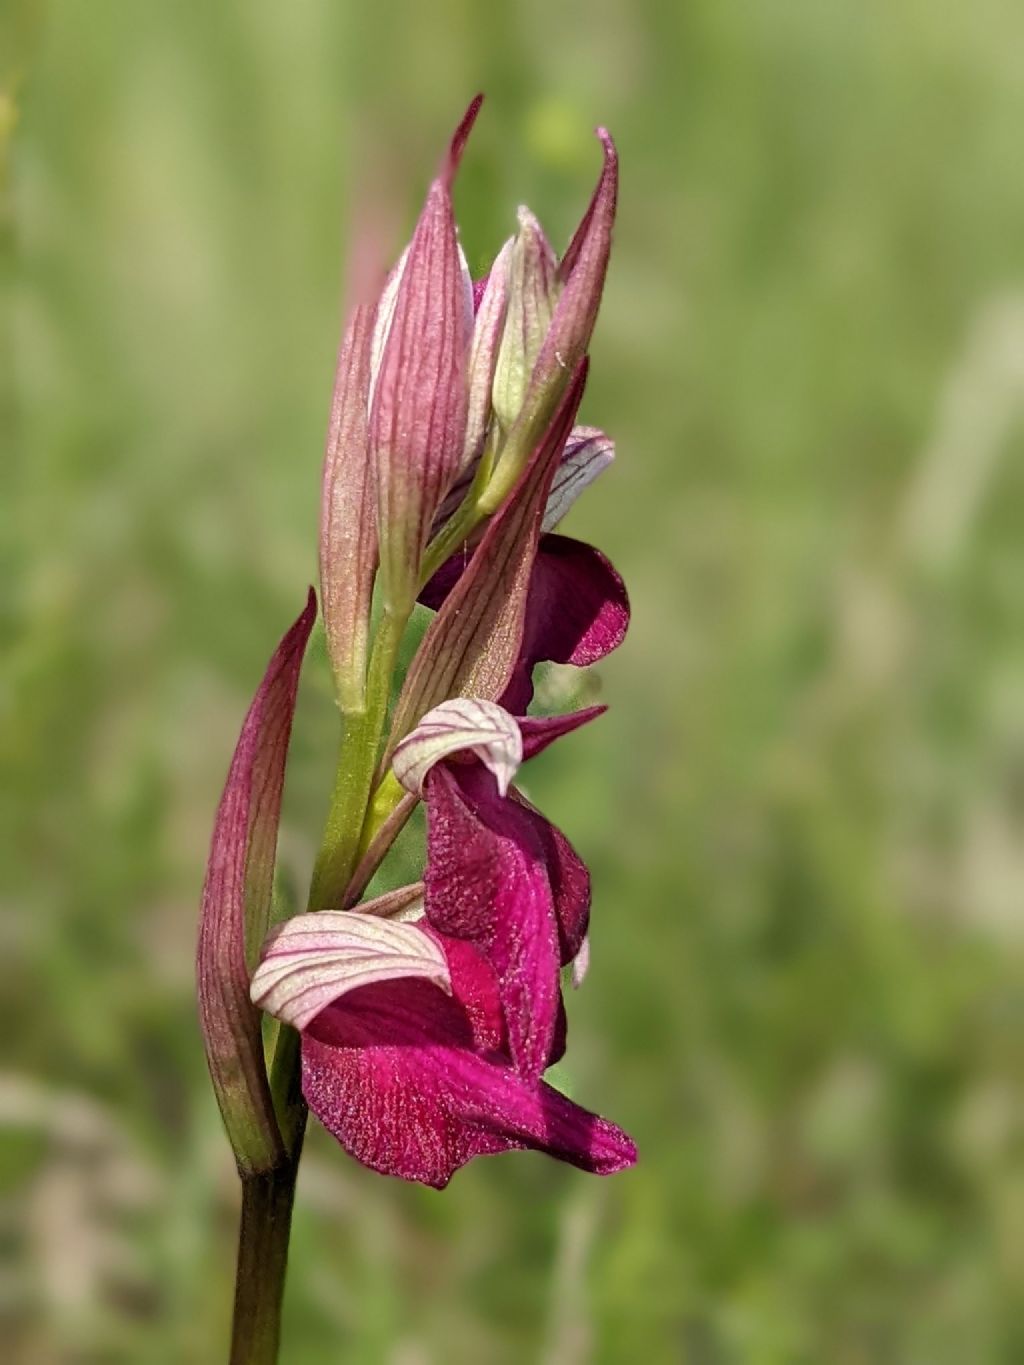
point(533, 289)
point(577, 287)
point(418, 384)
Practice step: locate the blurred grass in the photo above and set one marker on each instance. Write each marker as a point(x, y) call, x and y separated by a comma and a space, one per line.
point(804, 812)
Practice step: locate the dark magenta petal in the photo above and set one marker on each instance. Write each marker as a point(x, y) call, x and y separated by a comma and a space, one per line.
point(487, 881)
point(522, 1115)
point(576, 613)
point(568, 879)
point(560, 1035)
point(438, 588)
point(580, 609)
point(405, 1016)
point(540, 731)
point(379, 1069)
point(403, 1076)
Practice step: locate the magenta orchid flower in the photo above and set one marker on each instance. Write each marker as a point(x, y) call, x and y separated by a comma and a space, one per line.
point(424, 1041)
point(410, 1071)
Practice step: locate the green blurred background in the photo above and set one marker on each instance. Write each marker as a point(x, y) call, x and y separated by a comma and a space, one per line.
point(804, 811)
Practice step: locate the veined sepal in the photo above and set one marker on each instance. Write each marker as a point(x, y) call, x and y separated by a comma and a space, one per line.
point(348, 515)
point(236, 908)
point(418, 385)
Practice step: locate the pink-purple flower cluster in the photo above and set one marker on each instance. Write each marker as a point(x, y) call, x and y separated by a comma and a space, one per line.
point(429, 1015)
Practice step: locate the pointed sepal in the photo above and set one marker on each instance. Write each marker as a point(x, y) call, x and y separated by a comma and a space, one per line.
point(236, 907)
point(418, 397)
point(348, 515)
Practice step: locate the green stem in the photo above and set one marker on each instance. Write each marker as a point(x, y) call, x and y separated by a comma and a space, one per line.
point(267, 1201)
point(357, 762)
point(450, 537)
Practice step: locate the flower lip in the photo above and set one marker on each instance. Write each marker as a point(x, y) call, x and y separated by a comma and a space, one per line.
point(415, 1083)
point(576, 612)
point(499, 875)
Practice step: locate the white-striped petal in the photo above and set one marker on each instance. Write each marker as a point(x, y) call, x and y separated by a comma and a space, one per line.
point(587, 452)
point(482, 727)
point(311, 960)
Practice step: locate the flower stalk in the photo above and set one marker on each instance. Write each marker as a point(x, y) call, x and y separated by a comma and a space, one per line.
point(418, 1025)
point(263, 1235)
point(362, 732)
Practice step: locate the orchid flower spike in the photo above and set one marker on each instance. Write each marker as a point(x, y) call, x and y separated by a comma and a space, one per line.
point(428, 1017)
